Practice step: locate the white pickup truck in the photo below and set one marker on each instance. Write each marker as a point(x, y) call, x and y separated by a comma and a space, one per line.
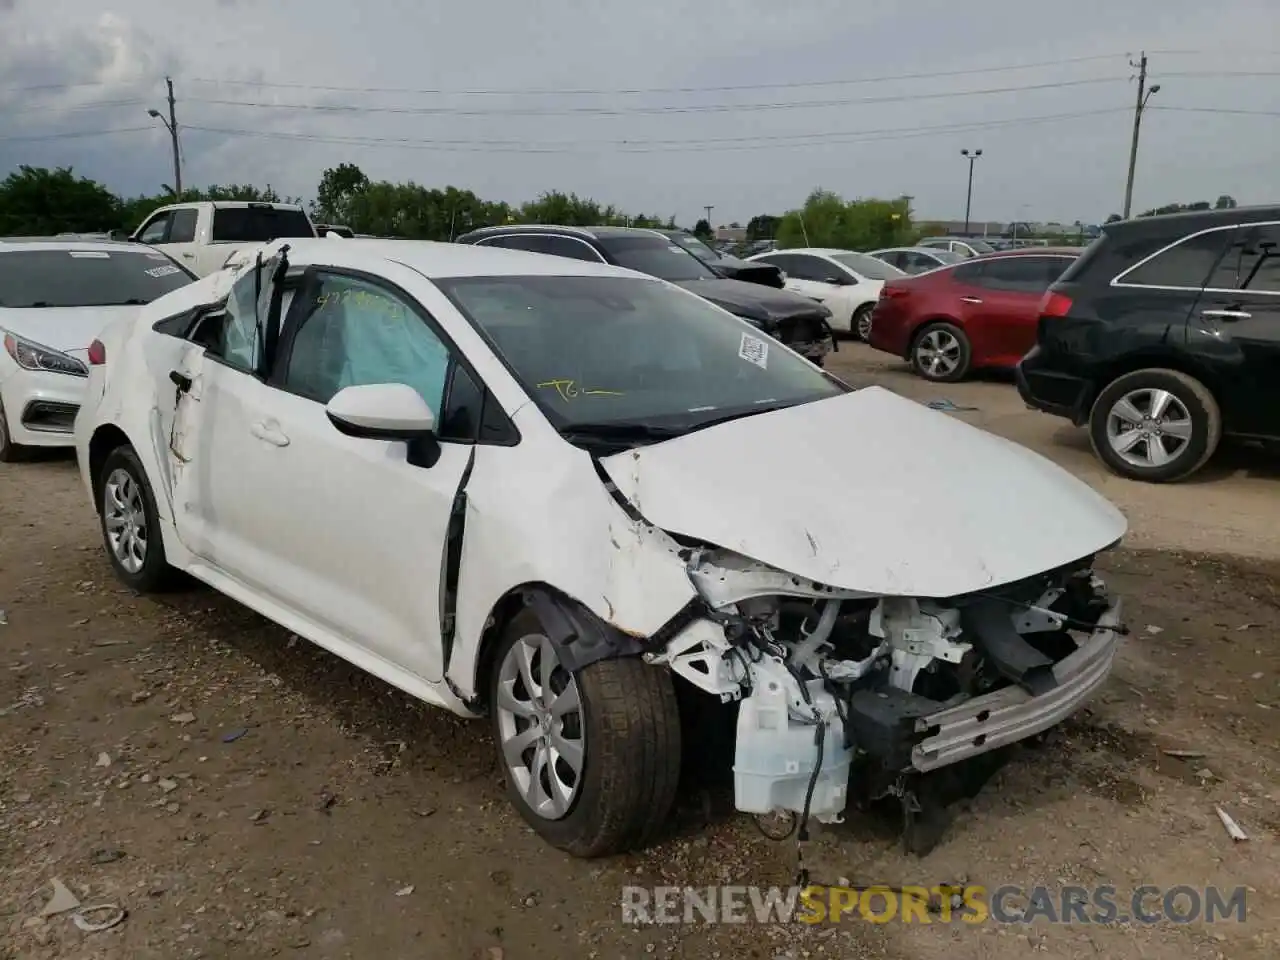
point(204, 235)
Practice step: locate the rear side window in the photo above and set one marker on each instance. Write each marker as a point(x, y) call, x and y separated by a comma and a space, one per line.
point(86, 278)
point(1251, 263)
point(1184, 266)
point(1077, 266)
point(258, 224)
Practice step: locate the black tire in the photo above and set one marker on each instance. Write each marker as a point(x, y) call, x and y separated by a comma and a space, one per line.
point(9, 451)
point(1195, 399)
point(861, 318)
point(630, 725)
point(155, 575)
point(923, 340)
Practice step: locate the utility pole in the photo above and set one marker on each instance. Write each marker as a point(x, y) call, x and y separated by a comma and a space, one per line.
point(172, 126)
point(709, 207)
point(1141, 104)
point(968, 201)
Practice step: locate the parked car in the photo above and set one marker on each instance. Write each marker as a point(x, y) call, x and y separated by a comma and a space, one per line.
point(55, 297)
point(964, 247)
point(724, 264)
point(847, 283)
point(1164, 337)
point(549, 496)
point(792, 319)
point(979, 313)
point(205, 236)
point(915, 259)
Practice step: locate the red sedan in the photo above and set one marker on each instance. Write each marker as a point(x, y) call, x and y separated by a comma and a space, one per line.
point(979, 313)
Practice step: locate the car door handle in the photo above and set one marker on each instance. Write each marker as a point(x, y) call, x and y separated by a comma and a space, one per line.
point(1226, 314)
point(269, 434)
point(970, 300)
point(188, 256)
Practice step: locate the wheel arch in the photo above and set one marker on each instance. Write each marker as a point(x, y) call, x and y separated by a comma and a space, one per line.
point(579, 635)
point(106, 438)
point(1152, 359)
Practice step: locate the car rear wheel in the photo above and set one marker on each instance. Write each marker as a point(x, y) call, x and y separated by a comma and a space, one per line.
point(861, 323)
point(591, 758)
point(941, 352)
point(9, 451)
point(130, 523)
point(1155, 425)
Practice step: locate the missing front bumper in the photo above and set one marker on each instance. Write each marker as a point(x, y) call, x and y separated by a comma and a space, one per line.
point(998, 719)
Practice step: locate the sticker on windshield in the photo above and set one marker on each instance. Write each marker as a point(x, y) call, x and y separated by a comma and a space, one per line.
point(676, 249)
point(90, 255)
point(165, 271)
point(754, 350)
point(155, 256)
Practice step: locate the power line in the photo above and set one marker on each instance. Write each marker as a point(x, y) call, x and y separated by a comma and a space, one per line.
point(72, 135)
point(625, 91)
point(95, 105)
point(633, 111)
point(642, 146)
point(1229, 111)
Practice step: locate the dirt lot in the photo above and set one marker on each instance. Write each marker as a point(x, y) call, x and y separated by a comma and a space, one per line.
point(260, 798)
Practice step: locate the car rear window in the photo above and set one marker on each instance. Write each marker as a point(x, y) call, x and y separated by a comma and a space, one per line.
point(86, 278)
point(1080, 263)
point(258, 224)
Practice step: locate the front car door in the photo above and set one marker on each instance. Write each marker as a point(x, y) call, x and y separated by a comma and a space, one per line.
point(1237, 318)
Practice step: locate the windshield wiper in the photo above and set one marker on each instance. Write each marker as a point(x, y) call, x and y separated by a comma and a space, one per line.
point(622, 433)
point(132, 302)
point(738, 415)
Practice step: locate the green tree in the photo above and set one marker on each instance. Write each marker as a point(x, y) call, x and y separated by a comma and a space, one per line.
point(761, 227)
point(338, 188)
point(702, 229)
point(1225, 202)
point(828, 220)
point(39, 201)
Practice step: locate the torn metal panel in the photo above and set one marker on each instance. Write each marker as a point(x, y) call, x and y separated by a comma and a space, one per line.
point(532, 519)
point(895, 499)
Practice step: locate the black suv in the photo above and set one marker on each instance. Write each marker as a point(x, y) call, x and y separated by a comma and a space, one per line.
point(797, 321)
point(1164, 337)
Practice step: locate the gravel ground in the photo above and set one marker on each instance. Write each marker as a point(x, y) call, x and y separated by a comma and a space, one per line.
point(243, 794)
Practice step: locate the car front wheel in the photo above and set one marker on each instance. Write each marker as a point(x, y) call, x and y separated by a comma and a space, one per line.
point(130, 523)
point(941, 352)
point(592, 758)
point(1155, 425)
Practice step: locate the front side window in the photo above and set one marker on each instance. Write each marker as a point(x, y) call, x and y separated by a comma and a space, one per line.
point(626, 350)
point(182, 227)
point(1252, 262)
point(87, 278)
point(1187, 265)
point(353, 332)
point(154, 231)
point(658, 257)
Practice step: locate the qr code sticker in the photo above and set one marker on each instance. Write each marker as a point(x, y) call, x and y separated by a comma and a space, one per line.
point(164, 271)
point(754, 350)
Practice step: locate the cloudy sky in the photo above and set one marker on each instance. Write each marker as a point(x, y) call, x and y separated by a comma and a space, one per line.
point(659, 106)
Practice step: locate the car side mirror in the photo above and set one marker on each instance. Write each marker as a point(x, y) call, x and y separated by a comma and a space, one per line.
point(838, 281)
point(387, 411)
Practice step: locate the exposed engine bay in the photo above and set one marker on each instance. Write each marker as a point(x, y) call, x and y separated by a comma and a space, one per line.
point(839, 690)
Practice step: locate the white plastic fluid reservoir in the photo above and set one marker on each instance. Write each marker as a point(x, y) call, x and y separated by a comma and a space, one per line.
point(776, 753)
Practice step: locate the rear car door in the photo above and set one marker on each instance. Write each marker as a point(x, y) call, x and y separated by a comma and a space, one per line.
point(999, 308)
point(1237, 319)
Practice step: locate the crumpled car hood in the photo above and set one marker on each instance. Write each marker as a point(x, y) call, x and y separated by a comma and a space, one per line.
point(732, 294)
point(872, 492)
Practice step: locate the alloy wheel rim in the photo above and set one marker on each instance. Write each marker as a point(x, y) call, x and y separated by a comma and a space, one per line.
point(938, 353)
point(125, 520)
point(864, 324)
point(1149, 427)
point(540, 726)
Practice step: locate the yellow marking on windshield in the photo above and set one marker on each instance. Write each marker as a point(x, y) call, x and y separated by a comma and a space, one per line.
point(568, 390)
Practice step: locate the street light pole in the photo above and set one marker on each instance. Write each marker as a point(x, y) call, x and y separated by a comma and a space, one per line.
point(968, 201)
point(172, 126)
point(1143, 96)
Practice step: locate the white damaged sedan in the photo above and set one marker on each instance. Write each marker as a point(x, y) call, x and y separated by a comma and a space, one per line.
point(551, 492)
